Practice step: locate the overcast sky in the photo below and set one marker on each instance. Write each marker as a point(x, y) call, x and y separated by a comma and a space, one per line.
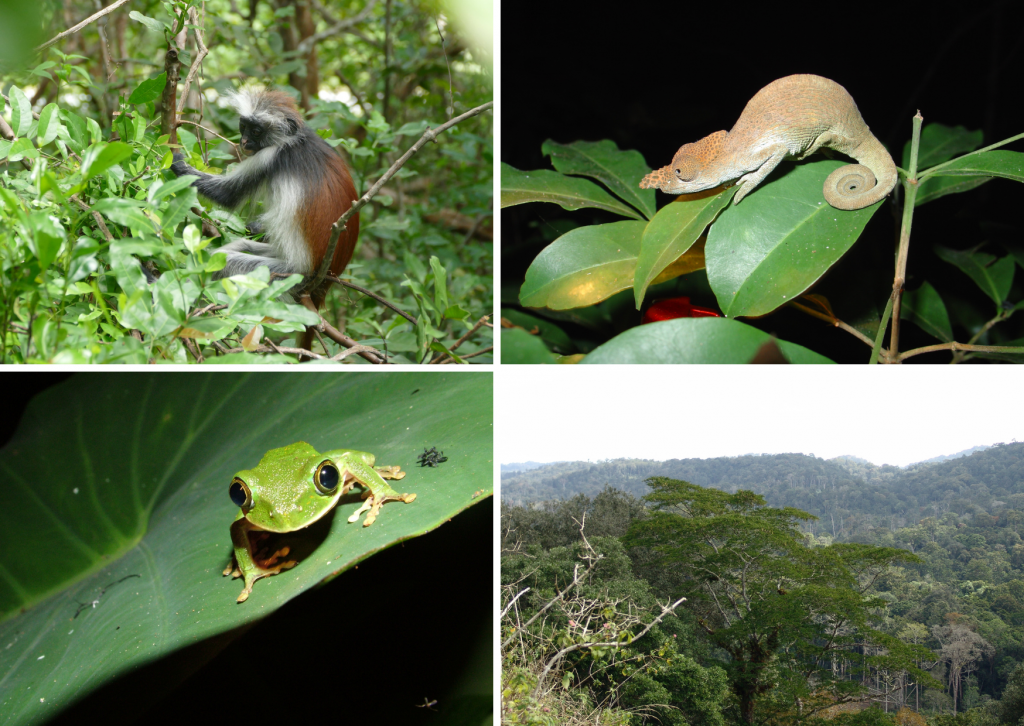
point(885, 414)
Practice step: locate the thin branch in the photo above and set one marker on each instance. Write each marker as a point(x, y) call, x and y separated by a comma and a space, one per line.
point(193, 15)
point(342, 25)
point(375, 296)
point(954, 346)
point(512, 601)
point(71, 31)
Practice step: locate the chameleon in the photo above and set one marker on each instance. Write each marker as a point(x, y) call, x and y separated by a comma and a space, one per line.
point(792, 117)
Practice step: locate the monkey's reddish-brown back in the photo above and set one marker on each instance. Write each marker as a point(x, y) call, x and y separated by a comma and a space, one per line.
point(336, 195)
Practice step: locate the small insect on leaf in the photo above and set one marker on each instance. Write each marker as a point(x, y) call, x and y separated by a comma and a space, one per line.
point(431, 457)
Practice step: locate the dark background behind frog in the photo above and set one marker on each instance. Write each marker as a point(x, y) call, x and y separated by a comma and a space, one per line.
point(653, 76)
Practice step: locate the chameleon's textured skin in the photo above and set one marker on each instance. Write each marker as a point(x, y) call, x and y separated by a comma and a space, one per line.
point(791, 117)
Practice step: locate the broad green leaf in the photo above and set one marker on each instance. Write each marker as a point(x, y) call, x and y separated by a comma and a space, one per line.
point(48, 235)
point(934, 187)
point(149, 90)
point(21, 111)
point(695, 340)
point(993, 277)
point(153, 24)
point(5, 148)
point(98, 159)
point(22, 149)
point(160, 189)
point(125, 211)
point(177, 208)
point(49, 124)
point(672, 232)
point(440, 284)
point(518, 346)
point(571, 193)
point(554, 336)
point(584, 266)
point(924, 307)
point(1005, 164)
point(620, 171)
point(767, 250)
point(112, 552)
point(941, 143)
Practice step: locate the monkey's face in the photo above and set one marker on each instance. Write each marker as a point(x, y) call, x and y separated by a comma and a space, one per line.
point(253, 134)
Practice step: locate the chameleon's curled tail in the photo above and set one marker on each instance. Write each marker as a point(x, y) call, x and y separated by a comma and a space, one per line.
point(856, 186)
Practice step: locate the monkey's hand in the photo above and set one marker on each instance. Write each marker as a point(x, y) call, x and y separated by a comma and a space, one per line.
point(180, 167)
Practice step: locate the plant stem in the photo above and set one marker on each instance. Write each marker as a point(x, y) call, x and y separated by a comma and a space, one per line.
point(911, 186)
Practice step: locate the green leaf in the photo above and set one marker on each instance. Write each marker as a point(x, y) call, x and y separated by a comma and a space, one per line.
point(555, 338)
point(22, 149)
point(100, 158)
point(149, 90)
point(584, 266)
point(155, 25)
point(49, 124)
point(672, 232)
point(142, 490)
point(767, 250)
point(48, 235)
point(1005, 164)
point(518, 346)
point(694, 340)
point(994, 277)
point(934, 187)
point(941, 143)
point(544, 185)
point(166, 189)
point(21, 111)
point(925, 308)
point(620, 171)
point(125, 211)
point(440, 284)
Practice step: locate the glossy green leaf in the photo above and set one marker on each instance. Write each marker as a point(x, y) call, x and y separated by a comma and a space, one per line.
point(152, 23)
point(149, 90)
point(934, 187)
point(584, 266)
point(925, 308)
point(993, 277)
point(775, 244)
point(941, 143)
point(49, 124)
point(1005, 164)
point(620, 171)
point(112, 552)
point(695, 340)
point(21, 111)
point(128, 212)
point(98, 159)
point(672, 232)
point(518, 346)
point(556, 338)
point(571, 193)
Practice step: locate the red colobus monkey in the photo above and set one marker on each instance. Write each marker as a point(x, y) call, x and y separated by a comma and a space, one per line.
point(303, 183)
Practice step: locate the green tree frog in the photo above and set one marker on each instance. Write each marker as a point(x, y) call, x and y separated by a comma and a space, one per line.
point(291, 488)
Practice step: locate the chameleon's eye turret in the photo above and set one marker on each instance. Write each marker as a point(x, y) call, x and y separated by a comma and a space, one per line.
point(240, 494)
point(326, 478)
point(685, 168)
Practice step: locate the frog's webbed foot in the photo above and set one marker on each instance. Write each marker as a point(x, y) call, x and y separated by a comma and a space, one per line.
point(390, 472)
point(232, 569)
point(373, 504)
point(264, 567)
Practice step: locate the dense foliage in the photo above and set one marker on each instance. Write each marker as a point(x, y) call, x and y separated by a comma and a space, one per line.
point(949, 533)
point(85, 194)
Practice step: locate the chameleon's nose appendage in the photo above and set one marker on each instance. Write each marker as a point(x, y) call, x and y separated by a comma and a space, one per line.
point(658, 178)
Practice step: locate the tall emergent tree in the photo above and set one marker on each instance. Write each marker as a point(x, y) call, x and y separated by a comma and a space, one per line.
point(795, 620)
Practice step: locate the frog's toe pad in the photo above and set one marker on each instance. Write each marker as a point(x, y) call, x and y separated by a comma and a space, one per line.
point(391, 472)
point(407, 498)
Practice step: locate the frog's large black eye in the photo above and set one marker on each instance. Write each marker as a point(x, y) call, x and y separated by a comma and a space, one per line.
point(326, 477)
point(240, 494)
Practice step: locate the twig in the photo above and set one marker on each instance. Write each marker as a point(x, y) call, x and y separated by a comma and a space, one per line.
point(904, 249)
point(193, 15)
point(557, 657)
point(370, 354)
point(70, 31)
point(305, 46)
point(375, 296)
point(512, 601)
point(954, 346)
